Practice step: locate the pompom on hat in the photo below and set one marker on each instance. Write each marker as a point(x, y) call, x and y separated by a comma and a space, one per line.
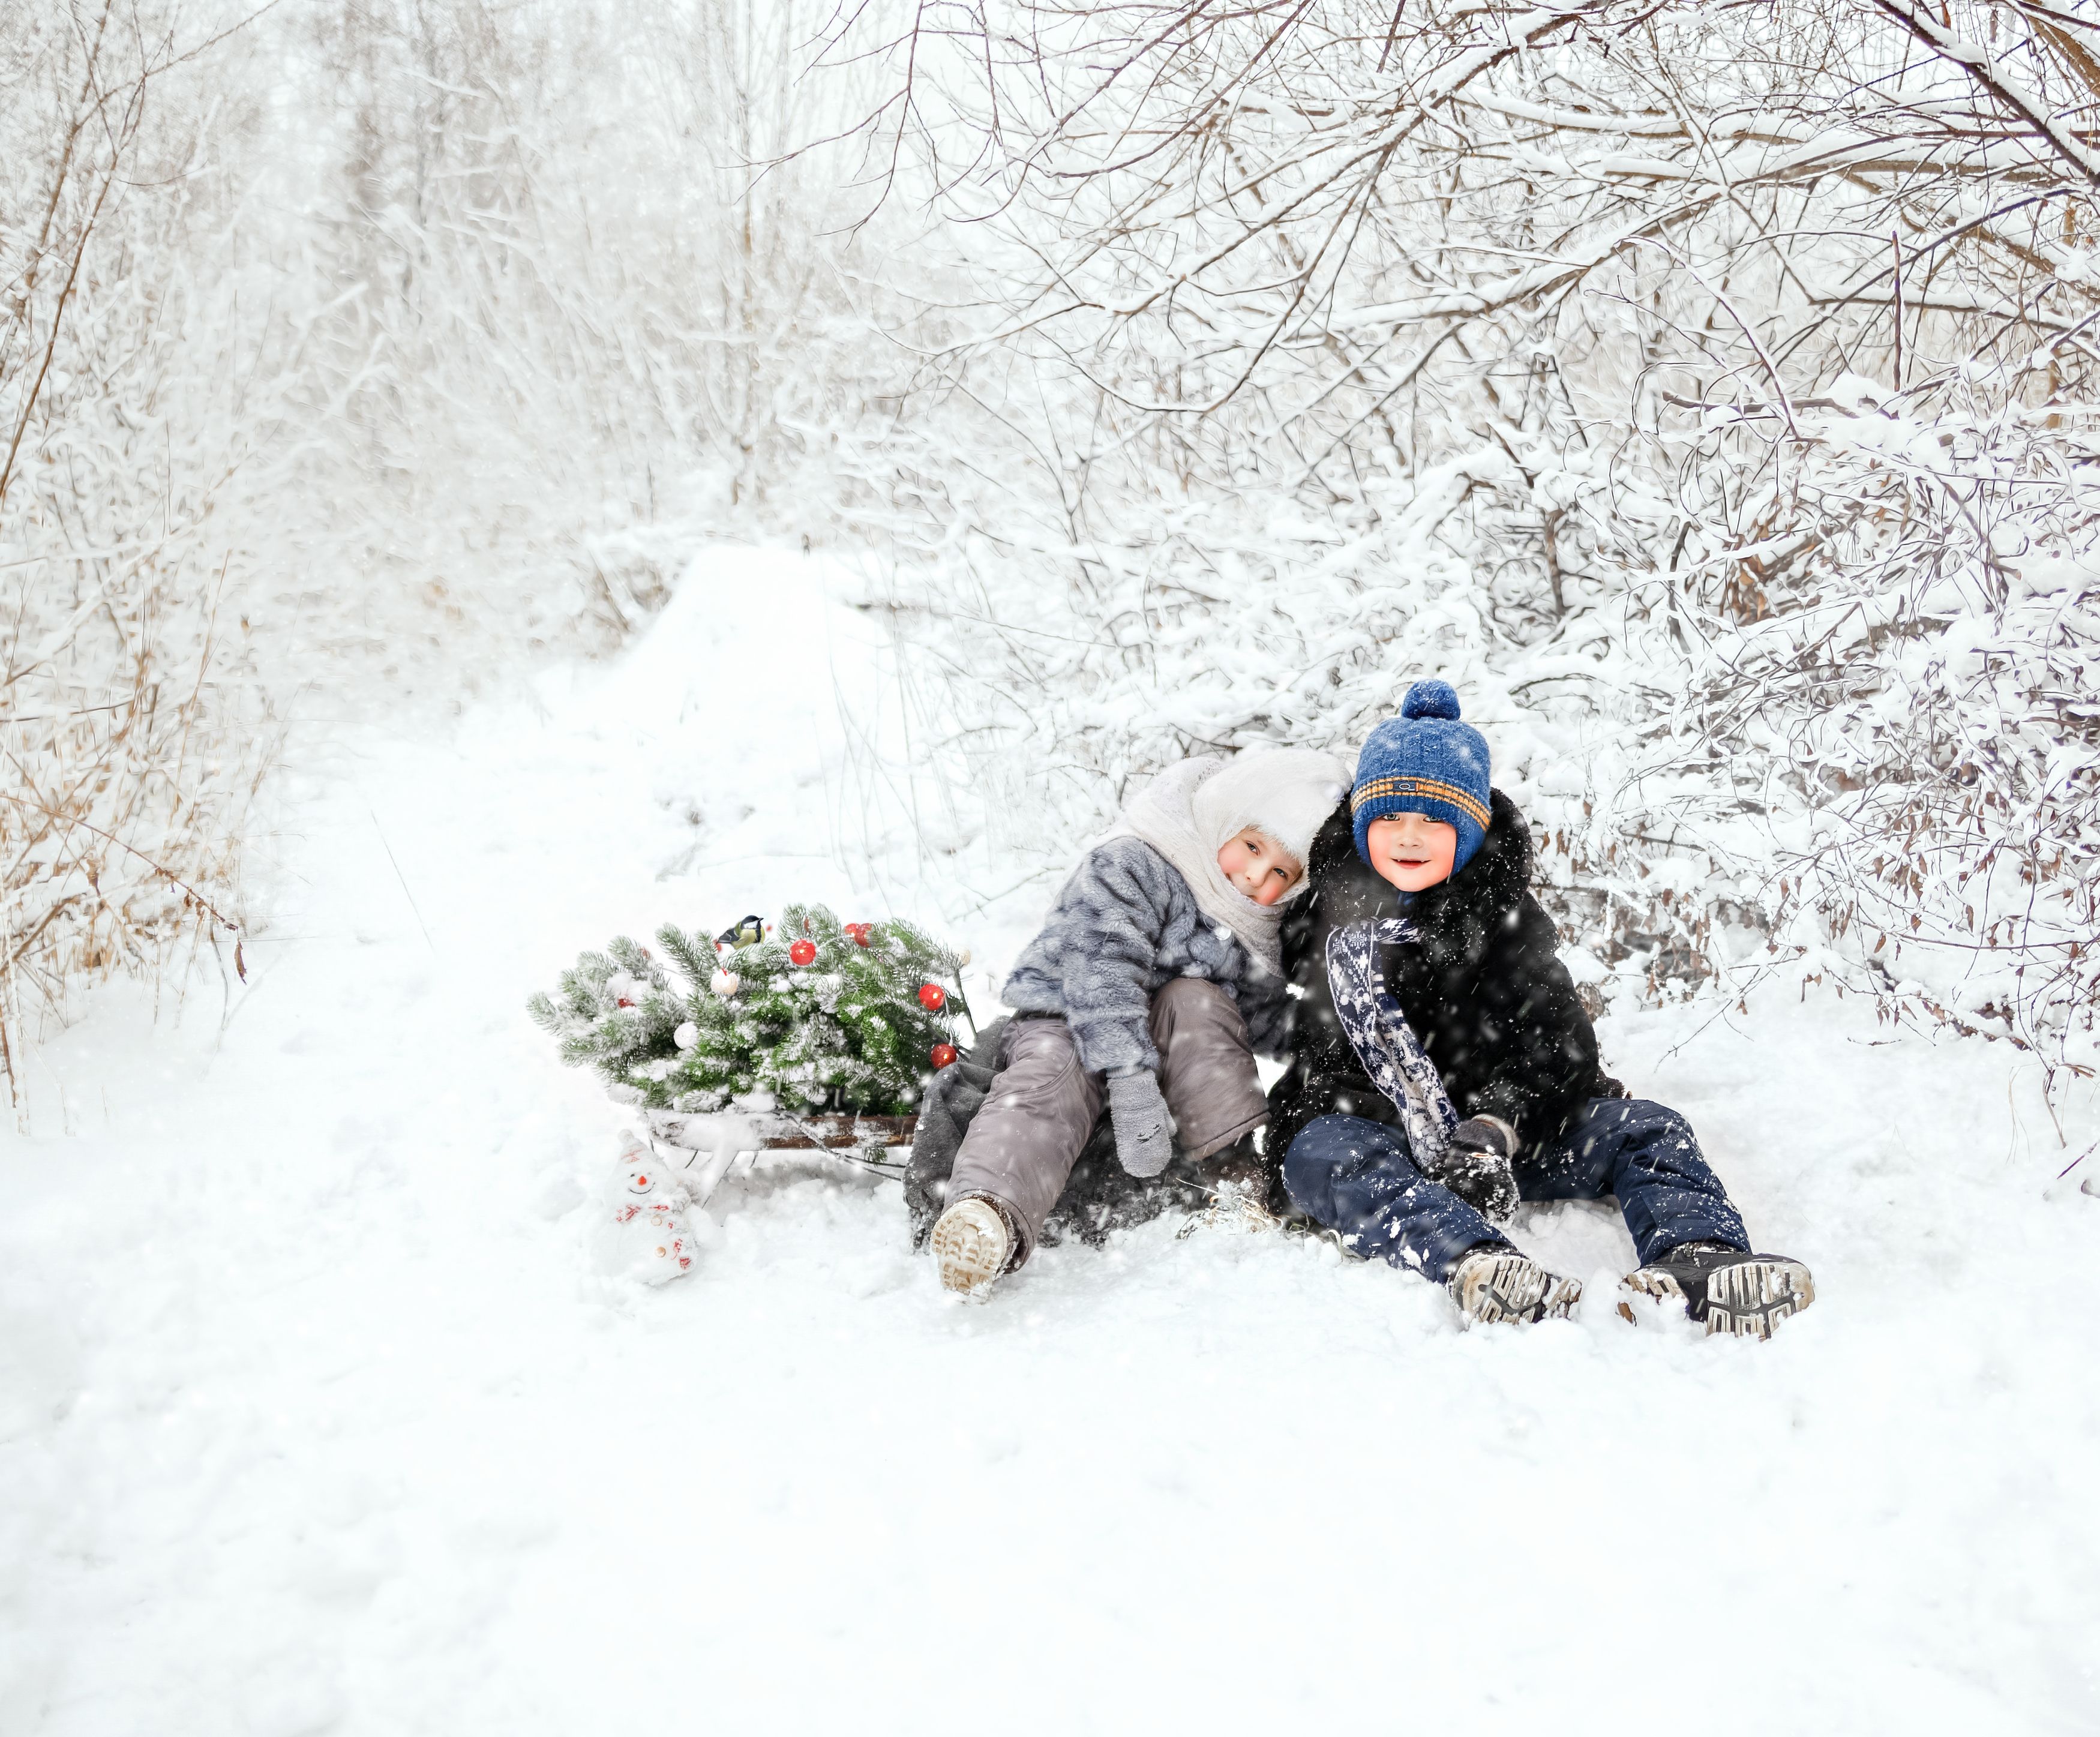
point(1425, 762)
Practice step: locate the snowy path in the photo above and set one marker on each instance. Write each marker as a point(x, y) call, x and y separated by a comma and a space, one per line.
point(314, 1415)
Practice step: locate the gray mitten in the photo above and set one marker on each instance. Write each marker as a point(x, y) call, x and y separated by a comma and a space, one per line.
point(1475, 1166)
point(1144, 1135)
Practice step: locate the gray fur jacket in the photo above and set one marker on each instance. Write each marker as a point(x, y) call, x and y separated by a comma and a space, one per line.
point(1126, 926)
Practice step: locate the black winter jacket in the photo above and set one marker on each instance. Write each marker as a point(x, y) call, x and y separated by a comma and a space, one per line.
point(1485, 991)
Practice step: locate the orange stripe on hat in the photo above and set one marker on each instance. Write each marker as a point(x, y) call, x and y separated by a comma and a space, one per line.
point(1435, 789)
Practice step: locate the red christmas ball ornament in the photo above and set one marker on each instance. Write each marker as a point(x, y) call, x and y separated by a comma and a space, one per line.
point(802, 953)
point(932, 997)
point(858, 931)
point(624, 1002)
point(944, 1054)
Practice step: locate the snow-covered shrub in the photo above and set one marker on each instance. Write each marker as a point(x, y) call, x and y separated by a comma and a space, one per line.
point(131, 738)
point(1709, 390)
point(1887, 742)
point(366, 349)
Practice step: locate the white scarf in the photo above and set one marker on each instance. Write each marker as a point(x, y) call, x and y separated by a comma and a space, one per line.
point(1392, 1056)
point(1170, 815)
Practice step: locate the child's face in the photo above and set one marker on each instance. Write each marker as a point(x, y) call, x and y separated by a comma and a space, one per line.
point(1412, 851)
point(1259, 867)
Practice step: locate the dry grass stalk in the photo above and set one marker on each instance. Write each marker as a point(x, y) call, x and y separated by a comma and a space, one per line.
point(126, 765)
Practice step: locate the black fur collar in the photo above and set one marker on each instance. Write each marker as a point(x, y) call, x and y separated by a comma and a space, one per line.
point(1493, 881)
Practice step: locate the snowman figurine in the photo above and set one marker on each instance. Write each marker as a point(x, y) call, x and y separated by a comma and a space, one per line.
point(650, 1239)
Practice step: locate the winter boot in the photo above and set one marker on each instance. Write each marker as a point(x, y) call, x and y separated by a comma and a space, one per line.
point(971, 1244)
point(1239, 1188)
point(1729, 1289)
point(1494, 1283)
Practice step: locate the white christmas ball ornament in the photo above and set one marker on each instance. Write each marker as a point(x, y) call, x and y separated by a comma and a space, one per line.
point(725, 983)
point(686, 1035)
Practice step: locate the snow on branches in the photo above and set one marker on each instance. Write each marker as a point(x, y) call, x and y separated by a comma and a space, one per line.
point(1711, 392)
point(132, 736)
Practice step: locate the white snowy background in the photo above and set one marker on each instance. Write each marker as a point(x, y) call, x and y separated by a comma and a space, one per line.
point(453, 511)
point(318, 1417)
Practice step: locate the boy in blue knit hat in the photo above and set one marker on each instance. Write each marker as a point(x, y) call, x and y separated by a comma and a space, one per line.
point(1442, 1067)
point(1422, 779)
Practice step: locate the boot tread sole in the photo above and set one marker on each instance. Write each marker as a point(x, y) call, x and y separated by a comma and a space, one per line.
point(1515, 1288)
point(970, 1249)
point(1746, 1299)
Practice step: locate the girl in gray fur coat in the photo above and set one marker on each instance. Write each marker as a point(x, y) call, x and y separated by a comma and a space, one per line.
point(1156, 978)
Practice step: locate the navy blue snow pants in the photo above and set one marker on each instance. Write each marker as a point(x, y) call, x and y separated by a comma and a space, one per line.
point(1353, 1176)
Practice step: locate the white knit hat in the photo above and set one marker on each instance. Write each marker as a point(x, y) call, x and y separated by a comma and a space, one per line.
point(1288, 793)
point(1188, 812)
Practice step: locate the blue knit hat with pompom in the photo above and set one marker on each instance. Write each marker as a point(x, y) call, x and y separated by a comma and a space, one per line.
point(1425, 762)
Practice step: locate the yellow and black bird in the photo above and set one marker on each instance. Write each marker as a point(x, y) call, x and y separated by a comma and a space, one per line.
point(748, 931)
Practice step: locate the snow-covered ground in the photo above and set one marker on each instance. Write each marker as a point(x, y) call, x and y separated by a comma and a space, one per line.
point(317, 1416)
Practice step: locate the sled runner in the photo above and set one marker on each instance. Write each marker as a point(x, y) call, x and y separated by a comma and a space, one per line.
point(703, 1149)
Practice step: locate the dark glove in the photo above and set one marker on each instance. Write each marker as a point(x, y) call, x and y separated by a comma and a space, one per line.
point(1486, 1134)
point(1143, 1134)
point(1475, 1166)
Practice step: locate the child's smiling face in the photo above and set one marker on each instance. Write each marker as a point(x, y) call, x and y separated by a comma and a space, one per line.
point(1412, 851)
point(1258, 865)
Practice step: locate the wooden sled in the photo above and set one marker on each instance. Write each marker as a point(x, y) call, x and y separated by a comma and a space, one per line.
point(703, 1149)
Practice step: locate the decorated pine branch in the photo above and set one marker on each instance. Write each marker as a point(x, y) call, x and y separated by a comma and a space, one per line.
point(806, 1015)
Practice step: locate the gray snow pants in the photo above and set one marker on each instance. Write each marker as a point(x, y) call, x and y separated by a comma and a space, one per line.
point(1041, 1105)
